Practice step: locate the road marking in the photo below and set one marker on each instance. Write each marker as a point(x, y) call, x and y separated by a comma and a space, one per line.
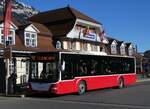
point(102, 104)
point(95, 104)
point(84, 103)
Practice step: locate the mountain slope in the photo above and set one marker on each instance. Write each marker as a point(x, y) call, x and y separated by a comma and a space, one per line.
point(20, 10)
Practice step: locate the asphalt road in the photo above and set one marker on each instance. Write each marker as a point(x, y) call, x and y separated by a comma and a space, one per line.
point(133, 97)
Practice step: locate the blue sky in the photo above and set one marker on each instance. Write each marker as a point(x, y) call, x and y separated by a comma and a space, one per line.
point(127, 20)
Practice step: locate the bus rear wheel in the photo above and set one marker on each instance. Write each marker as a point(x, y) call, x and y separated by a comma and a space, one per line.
point(81, 88)
point(120, 83)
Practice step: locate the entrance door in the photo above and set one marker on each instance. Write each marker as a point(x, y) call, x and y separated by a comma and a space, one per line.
point(2, 75)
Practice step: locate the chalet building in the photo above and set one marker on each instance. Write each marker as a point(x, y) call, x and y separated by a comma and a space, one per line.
point(24, 39)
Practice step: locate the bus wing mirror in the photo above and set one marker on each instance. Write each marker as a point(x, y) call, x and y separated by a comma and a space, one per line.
point(63, 66)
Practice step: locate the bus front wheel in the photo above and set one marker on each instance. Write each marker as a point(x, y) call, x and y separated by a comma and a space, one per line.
point(120, 83)
point(81, 88)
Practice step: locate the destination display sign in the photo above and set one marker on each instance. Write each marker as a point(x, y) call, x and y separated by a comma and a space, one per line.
point(42, 58)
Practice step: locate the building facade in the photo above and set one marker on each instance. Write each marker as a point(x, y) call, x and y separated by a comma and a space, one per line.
point(24, 39)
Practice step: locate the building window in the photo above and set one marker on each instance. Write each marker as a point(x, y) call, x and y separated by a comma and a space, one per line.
point(89, 47)
point(94, 48)
point(65, 45)
point(58, 45)
point(85, 47)
point(122, 50)
point(69, 46)
point(10, 38)
point(73, 45)
point(113, 49)
point(11, 67)
point(78, 46)
point(130, 51)
point(30, 39)
point(34, 70)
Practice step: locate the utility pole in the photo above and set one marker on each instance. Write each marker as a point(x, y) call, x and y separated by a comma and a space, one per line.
point(7, 49)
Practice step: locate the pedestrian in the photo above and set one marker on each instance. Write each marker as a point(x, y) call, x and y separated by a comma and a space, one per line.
point(13, 78)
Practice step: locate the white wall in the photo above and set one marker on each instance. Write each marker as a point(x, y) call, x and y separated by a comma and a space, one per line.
point(21, 70)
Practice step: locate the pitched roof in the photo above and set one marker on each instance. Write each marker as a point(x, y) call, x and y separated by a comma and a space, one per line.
point(61, 29)
point(43, 30)
point(61, 14)
point(80, 15)
point(44, 38)
point(128, 44)
point(60, 21)
point(44, 44)
point(147, 54)
point(110, 39)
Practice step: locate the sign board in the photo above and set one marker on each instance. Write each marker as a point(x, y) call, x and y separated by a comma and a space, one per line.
point(86, 32)
point(43, 58)
point(7, 52)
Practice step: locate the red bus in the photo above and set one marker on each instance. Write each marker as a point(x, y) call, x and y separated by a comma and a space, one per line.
point(70, 72)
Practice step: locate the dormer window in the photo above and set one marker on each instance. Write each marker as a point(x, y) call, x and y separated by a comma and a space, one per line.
point(30, 36)
point(11, 36)
point(113, 47)
point(30, 39)
point(130, 50)
point(122, 49)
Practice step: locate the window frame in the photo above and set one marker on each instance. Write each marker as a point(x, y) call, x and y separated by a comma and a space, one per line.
point(130, 50)
point(122, 50)
point(113, 49)
point(30, 39)
point(10, 35)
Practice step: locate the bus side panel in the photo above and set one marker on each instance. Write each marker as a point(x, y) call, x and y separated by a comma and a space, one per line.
point(129, 79)
point(70, 86)
point(101, 82)
point(66, 86)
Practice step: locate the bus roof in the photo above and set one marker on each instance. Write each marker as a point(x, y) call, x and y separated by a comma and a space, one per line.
point(97, 54)
point(83, 53)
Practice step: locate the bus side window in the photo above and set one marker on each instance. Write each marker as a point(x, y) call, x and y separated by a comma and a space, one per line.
point(67, 70)
point(83, 68)
point(93, 67)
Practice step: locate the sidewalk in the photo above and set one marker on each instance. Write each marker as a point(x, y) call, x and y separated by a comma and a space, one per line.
point(142, 79)
point(12, 95)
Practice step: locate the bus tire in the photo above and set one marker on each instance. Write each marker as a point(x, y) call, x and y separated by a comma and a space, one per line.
point(121, 83)
point(81, 88)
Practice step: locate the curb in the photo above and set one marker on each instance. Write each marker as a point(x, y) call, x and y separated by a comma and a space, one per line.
point(20, 96)
point(143, 80)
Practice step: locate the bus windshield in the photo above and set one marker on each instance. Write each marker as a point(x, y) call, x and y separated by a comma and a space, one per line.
point(44, 71)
